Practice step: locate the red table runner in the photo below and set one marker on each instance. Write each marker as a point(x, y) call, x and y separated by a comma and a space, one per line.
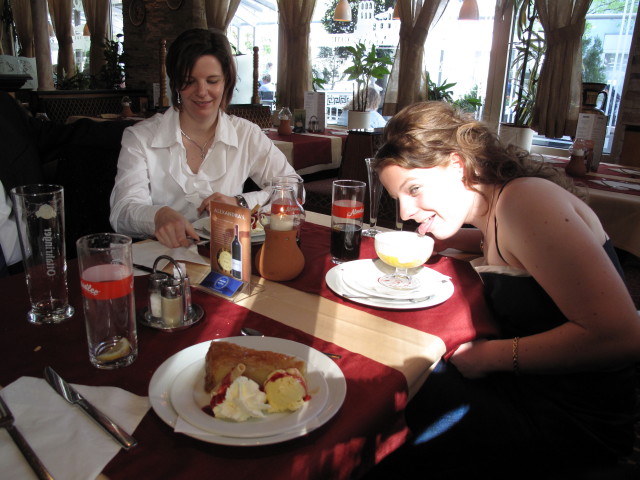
point(308, 150)
point(462, 318)
point(603, 169)
point(368, 426)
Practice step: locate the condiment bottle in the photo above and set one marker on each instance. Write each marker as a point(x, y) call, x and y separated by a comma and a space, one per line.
point(577, 166)
point(186, 287)
point(172, 303)
point(284, 128)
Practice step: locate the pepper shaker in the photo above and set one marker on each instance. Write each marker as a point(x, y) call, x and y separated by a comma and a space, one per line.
point(172, 303)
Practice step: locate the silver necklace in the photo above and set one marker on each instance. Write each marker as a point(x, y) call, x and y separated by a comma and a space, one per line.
point(203, 148)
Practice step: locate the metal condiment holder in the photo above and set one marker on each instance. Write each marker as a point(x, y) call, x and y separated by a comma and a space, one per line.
point(176, 309)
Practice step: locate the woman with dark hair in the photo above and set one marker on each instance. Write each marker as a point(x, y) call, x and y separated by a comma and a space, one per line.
point(556, 388)
point(173, 164)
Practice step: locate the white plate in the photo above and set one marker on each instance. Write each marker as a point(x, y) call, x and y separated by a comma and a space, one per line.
point(164, 376)
point(188, 398)
point(364, 275)
point(441, 290)
point(203, 226)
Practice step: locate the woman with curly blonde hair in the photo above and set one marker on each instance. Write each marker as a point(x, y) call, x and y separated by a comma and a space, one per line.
point(556, 388)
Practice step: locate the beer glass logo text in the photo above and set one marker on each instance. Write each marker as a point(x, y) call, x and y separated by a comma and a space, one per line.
point(49, 256)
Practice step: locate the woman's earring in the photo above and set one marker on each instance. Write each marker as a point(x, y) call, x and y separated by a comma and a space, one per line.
point(179, 99)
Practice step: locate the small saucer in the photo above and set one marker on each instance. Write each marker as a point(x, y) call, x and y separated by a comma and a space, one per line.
point(195, 315)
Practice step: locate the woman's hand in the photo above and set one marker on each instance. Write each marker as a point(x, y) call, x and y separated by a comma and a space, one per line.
point(173, 229)
point(216, 197)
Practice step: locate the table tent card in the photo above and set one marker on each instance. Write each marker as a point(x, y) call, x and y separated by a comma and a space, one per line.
point(314, 104)
point(230, 251)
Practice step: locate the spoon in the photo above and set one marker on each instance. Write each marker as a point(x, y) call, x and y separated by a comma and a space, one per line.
point(252, 332)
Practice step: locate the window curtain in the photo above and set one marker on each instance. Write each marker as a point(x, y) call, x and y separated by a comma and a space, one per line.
point(60, 12)
point(220, 13)
point(294, 65)
point(97, 14)
point(560, 84)
point(24, 26)
point(416, 17)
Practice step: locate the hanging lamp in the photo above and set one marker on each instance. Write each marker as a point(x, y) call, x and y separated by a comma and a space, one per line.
point(396, 11)
point(343, 12)
point(469, 10)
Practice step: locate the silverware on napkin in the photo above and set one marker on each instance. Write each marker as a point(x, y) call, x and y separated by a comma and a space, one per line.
point(6, 421)
point(389, 299)
point(67, 392)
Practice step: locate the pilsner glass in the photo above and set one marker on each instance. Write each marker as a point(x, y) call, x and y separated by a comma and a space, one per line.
point(39, 213)
point(375, 192)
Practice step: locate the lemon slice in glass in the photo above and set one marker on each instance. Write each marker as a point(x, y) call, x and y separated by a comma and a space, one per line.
point(120, 349)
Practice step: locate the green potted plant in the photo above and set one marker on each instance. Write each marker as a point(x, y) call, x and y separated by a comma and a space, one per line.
point(526, 62)
point(367, 65)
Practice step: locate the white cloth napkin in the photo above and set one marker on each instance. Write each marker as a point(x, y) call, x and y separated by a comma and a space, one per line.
point(69, 443)
point(145, 253)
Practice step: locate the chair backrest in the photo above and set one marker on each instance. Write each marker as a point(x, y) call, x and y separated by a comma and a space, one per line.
point(258, 114)
point(265, 95)
point(61, 104)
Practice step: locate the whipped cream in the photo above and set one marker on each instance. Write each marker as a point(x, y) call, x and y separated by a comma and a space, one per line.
point(243, 400)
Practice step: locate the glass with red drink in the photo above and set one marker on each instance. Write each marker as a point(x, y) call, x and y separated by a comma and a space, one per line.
point(106, 280)
point(347, 213)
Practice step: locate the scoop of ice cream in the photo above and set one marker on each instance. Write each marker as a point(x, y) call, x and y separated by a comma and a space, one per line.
point(286, 390)
point(243, 400)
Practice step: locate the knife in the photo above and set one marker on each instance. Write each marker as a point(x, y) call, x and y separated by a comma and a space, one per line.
point(67, 392)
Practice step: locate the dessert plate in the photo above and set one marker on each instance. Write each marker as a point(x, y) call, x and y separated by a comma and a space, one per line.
point(203, 226)
point(188, 398)
point(363, 275)
point(164, 376)
point(439, 291)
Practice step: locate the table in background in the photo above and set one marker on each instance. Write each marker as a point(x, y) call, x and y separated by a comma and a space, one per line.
point(618, 210)
point(386, 355)
point(310, 152)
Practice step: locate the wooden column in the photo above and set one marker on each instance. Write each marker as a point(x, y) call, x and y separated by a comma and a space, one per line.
point(163, 101)
point(255, 97)
point(41, 42)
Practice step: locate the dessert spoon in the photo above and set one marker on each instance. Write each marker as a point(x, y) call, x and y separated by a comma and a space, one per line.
point(252, 332)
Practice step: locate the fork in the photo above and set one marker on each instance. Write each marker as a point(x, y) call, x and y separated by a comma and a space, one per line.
point(6, 421)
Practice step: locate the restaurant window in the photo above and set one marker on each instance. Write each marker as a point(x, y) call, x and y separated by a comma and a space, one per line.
point(80, 35)
point(372, 23)
point(456, 56)
point(605, 51)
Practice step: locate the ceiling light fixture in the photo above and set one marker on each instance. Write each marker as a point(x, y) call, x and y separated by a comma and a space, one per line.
point(343, 12)
point(469, 10)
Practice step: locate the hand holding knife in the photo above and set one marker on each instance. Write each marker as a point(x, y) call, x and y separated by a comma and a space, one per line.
point(67, 392)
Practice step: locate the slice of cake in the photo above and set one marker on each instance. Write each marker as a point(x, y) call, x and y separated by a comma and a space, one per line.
point(223, 357)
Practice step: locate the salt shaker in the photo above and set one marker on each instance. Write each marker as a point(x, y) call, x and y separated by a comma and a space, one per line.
point(156, 281)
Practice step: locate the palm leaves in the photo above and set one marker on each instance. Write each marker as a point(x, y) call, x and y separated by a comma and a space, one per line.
point(529, 53)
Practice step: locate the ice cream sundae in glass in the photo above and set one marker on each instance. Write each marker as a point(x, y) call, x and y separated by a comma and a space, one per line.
point(403, 251)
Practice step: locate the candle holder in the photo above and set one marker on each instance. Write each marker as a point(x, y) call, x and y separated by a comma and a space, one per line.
point(170, 308)
point(280, 258)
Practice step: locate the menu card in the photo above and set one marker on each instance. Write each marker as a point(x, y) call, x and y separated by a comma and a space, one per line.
point(230, 249)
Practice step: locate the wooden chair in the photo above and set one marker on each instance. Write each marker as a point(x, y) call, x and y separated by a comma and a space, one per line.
point(360, 144)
